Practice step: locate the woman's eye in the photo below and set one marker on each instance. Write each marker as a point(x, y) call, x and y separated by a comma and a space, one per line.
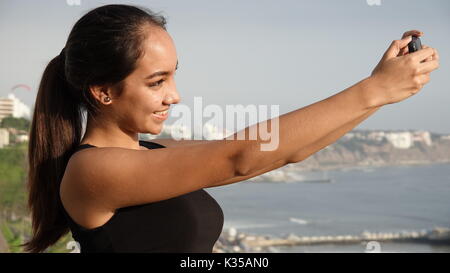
point(156, 83)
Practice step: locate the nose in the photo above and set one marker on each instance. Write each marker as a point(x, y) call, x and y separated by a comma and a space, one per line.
point(172, 97)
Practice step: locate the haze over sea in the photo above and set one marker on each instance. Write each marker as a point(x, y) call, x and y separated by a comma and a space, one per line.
point(385, 199)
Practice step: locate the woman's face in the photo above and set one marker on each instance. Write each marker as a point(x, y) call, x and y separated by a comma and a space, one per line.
point(150, 88)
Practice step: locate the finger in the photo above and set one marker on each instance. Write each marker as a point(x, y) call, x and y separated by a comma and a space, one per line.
point(424, 79)
point(435, 54)
point(429, 58)
point(414, 32)
point(404, 51)
point(396, 46)
point(427, 67)
point(417, 33)
point(422, 54)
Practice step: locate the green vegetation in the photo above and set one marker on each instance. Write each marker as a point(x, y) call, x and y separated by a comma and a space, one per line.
point(21, 124)
point(12, 179)
point(15, 221)
point(13, 232)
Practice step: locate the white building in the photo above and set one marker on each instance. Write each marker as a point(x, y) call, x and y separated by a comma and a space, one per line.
point(22, 138)
point(178, 131)
point(404, 140)
point(12, 106)
point(211, 132)
point(422, 136)
point(400, 140)
point(377, 135)
point(171, 131)
point(348, 135)
point(4, 137)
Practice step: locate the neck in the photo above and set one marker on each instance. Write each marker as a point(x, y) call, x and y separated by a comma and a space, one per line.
point(105, 133)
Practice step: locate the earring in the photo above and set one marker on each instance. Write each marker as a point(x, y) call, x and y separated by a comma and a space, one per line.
point(107, 99)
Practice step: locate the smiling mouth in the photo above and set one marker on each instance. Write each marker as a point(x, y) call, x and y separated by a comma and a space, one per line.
point(162, 115)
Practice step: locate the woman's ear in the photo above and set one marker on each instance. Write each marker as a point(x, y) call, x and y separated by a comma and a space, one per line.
point(101, 93)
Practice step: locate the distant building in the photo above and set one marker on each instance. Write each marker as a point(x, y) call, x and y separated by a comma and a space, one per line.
point(423, 137)
point(377, 135)
point(212, 132)
point(21, 138)
point(12, 106)
point(349, 135)
point(404, 140)
point(170, 131)
point(4, 137)
point(400, 140)
point(178, 131)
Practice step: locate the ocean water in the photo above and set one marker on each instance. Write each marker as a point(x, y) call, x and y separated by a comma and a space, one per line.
point(384, 199)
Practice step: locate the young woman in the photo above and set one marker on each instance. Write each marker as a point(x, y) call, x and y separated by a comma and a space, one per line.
point(116, 193)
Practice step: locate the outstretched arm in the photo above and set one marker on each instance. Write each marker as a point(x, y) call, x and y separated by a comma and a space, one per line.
point(309, 129)
point(305, 152)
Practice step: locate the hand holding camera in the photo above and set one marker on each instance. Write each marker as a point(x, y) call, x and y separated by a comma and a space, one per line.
point(404, 69)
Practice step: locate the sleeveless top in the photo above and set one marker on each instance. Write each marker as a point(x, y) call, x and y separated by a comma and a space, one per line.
point(191, 222)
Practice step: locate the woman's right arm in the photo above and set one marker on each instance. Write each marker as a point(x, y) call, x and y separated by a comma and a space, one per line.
point(394, 79)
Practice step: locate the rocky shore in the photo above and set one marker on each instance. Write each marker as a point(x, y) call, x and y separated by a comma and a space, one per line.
point(358, 153)
point(232, 241)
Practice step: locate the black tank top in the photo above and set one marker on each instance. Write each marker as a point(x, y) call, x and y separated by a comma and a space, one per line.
point(188, 223)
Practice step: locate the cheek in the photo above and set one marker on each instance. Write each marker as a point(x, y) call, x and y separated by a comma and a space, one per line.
point(142, 102)
point(146, 108)
point(151, 104)
point(145, 100)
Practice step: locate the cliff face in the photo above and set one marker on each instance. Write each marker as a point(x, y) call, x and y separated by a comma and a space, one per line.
point(360, 153)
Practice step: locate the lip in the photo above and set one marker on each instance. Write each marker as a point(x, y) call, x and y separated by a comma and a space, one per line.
point(162, 110)
point(161, 117)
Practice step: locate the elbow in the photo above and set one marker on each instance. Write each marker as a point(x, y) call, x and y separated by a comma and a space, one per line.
point(241, 170)
point(238, 155)
point(241, 166)
point(248, 158)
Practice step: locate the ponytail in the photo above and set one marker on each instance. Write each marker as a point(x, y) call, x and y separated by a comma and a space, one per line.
point(55, 131)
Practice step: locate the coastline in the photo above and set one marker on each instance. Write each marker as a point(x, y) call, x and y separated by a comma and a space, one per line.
point(296, 172)
point(365, 166)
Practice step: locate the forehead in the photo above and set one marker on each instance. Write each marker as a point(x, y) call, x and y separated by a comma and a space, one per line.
point(159, 52)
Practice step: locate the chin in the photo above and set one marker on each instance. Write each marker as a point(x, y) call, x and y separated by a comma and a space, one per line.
point(155, 130)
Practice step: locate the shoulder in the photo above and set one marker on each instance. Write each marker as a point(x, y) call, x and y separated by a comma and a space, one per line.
point(101, 180)
point(89, 170)
point(95, 157)
point(75, 188)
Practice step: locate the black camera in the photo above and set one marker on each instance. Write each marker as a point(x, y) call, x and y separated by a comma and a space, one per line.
point(415, 44)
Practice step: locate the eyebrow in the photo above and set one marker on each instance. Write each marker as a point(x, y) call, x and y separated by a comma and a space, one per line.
point(160, 73)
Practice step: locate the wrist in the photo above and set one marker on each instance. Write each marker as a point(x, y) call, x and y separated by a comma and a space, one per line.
point(371, 92)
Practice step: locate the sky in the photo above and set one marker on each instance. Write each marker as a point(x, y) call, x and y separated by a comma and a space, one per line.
point(290, 53)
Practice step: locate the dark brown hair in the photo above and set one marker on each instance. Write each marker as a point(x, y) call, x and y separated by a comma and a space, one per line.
point(102, 49)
